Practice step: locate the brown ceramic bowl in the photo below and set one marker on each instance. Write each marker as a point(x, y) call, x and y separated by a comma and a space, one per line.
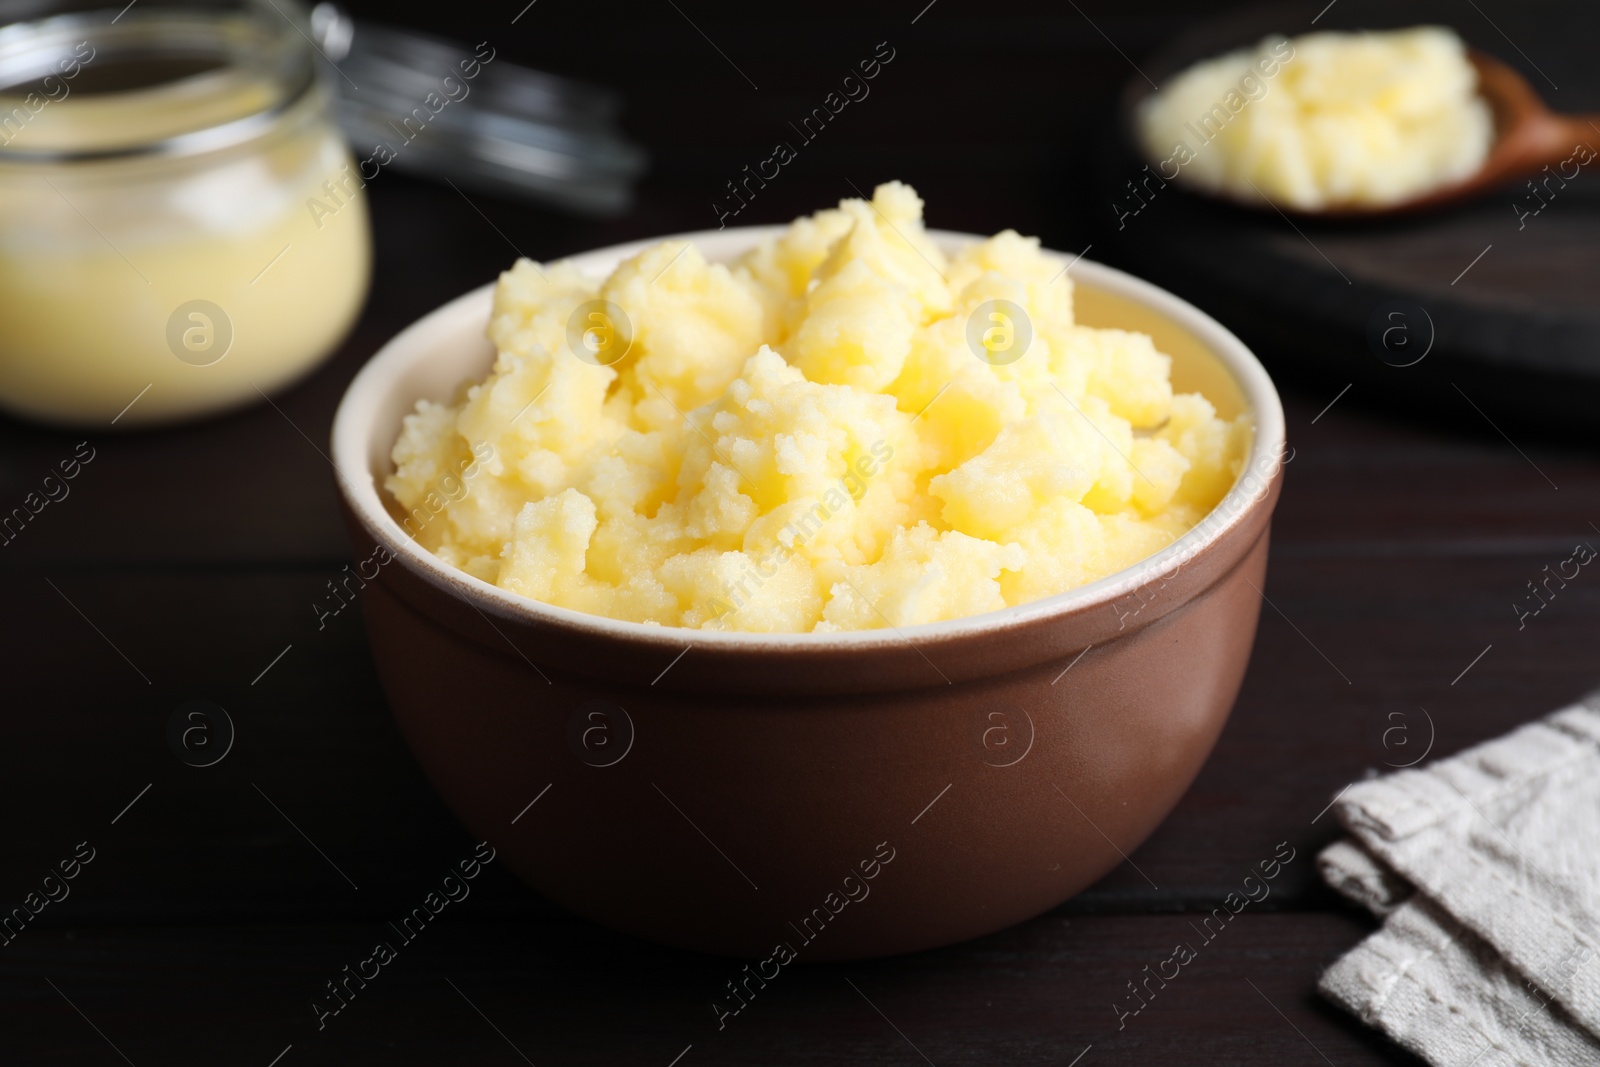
point(850, 795)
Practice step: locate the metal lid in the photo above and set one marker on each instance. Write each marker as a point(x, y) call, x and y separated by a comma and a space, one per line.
point(441, 110)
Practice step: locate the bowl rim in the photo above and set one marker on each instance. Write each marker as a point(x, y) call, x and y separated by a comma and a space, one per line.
point(353, 429)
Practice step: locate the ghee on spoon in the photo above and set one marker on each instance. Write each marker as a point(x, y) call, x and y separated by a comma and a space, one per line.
point(1528, 138)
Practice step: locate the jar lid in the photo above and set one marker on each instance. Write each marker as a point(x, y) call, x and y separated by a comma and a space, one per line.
point(442, 110)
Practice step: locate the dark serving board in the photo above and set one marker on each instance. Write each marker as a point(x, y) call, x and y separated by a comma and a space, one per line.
point(1506, 310)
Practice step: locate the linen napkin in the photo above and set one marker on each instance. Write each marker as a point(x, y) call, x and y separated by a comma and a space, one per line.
point(1486, 867)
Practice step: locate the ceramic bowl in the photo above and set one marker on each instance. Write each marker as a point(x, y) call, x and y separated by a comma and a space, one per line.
point(842, 795)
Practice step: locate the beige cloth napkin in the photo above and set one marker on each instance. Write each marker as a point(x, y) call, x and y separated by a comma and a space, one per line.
point(1486, 869)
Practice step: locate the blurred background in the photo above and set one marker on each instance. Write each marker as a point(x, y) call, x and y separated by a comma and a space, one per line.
point(1017, 115)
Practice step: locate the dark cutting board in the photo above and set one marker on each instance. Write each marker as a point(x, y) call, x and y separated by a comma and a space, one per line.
point(1507, 311)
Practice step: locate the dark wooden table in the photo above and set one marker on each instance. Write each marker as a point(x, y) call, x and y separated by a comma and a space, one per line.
point(185, 562)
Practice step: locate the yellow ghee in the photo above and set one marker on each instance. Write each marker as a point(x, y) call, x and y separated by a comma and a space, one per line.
point(1323, 120)
point(838, 431)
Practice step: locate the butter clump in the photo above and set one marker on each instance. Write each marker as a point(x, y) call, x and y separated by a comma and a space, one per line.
point(805, 439)
point(1324, 120)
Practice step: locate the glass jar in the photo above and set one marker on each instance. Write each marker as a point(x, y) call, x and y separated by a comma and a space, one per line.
point(181, 230)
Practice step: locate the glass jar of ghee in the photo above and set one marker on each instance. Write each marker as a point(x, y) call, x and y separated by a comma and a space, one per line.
point(167, 247)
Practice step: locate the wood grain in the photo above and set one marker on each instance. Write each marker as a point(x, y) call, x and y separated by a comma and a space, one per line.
point(551, 988)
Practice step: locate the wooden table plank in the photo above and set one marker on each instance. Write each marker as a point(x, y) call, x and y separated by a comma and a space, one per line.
point(563, 991)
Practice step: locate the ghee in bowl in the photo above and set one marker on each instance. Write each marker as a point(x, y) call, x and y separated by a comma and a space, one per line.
point(842, 430)
point(159, 255)
point(1044, 731)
